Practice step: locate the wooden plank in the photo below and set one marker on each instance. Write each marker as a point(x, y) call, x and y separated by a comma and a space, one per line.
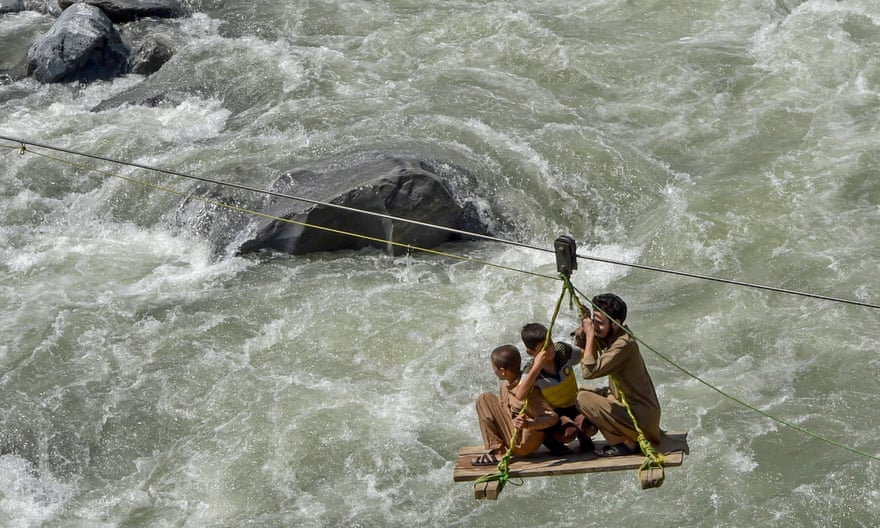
point(487, 490)
point(652, 477)
point(543, 464)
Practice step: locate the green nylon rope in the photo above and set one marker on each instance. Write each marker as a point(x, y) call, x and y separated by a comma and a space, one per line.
point(653, 459)
point(503, 467)
point(22, 150)
point(765, 414)
point(594, 258)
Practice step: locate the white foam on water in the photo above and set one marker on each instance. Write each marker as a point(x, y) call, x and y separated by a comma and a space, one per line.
point(28, 495)
point(201, 26)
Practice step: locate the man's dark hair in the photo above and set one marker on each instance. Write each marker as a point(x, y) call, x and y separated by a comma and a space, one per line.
point(533, 335)
point(612, 305)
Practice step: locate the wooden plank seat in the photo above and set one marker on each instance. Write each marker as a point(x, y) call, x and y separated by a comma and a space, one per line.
point(544, 464)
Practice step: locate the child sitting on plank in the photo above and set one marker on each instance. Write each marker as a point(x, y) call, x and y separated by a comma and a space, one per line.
point(501, 416)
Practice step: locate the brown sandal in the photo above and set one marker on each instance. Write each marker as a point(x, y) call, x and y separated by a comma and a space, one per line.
point(486, 459)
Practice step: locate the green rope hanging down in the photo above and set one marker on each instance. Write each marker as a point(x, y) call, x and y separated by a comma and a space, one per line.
point(653, 459)
point(503, 473)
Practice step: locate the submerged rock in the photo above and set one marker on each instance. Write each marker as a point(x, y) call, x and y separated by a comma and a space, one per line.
point(151, 55)
point(130, 10)
point(404, 187)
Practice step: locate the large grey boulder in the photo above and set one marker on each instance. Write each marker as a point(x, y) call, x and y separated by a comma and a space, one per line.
point(427, 191)
point(82, 45)
point(396, 186)
point(128, 10)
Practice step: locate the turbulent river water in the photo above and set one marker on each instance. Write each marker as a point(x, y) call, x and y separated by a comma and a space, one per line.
point(146, 380)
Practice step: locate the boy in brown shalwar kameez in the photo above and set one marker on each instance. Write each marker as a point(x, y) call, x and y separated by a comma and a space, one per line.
point(500, 416)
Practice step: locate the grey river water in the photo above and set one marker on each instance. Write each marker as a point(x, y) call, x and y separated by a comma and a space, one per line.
point(147, 381)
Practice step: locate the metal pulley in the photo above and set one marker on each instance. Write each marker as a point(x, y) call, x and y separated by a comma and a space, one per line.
point(566, 255)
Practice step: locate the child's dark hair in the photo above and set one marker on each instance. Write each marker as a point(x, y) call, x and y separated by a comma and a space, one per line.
point(533, 335)
point(507, 357)
point(612, 305)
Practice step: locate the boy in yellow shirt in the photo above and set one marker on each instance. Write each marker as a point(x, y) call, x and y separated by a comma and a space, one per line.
point(552, 372)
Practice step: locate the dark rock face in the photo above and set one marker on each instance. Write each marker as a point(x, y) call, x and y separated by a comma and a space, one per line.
point(150, 56)
point(129, 10)
point(395, 186)
point(430, 192)
point(82, 45)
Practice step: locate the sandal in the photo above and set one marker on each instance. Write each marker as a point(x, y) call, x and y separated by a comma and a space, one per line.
point(486, 459)
point(620, 449)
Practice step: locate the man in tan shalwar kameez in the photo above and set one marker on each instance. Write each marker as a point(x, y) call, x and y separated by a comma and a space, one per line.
point(621, 360)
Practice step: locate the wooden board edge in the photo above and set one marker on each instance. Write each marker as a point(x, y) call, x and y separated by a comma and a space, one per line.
point(544, 464)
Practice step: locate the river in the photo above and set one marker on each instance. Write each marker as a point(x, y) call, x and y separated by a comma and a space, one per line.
point(147, 381)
